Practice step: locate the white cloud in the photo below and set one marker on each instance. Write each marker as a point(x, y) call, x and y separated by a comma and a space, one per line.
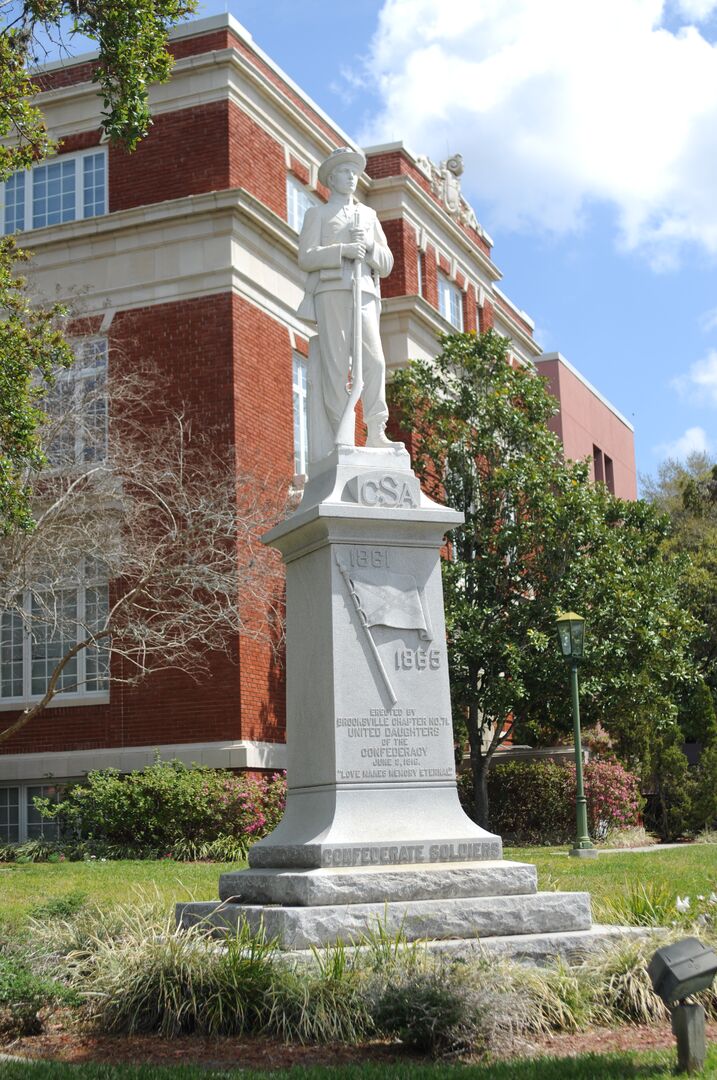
point(694, 441)
point(708, 320)
point(557, 106)
point(699, 10)
point(700, 382)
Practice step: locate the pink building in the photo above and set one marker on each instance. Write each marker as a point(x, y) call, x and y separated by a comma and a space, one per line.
point(589, 426)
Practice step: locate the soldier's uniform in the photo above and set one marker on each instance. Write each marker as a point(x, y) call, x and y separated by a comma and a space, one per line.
point(328, 301)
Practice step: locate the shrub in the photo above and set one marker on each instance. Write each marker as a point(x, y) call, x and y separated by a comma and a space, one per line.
point(530, 801)
point(613, 796)
point(670, 808)
point(704, 795)
point(22, 995)
point(199, 811)
point(534, 802)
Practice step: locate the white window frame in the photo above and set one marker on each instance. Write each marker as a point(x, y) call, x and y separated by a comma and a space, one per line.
point(299, 399)
point(23, 790)
point(450, 301)
point(298, 200)
point(28, 174)
point(87, 350)
point(78, 693)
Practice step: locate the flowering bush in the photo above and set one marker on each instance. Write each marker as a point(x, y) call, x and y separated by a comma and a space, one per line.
point(169, 804)
point(534, 801)
point(613, 797)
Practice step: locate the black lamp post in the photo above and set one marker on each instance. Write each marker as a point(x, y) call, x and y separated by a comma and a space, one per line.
point(571, 635)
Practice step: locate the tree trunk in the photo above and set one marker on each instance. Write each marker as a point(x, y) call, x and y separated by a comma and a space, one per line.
point(481, 809)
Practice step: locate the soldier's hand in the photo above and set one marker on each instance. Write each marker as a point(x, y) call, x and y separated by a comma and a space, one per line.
point(354, 251)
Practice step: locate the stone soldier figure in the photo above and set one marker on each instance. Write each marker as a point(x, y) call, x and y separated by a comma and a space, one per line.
point(333, 238)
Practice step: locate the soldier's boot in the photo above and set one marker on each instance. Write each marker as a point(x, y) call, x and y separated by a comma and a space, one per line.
point(376, 434)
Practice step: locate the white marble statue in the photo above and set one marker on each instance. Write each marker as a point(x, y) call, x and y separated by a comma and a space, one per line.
point(344, 250)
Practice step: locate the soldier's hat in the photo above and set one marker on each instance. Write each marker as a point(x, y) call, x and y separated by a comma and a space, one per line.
point(339, 157)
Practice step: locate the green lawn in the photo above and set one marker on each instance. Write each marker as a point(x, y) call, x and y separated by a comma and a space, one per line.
point(626, 1066)
point(24, 886)
point(687, 871)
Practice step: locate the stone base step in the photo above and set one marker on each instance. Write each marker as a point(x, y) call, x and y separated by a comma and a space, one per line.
point(372, 884)
point(573, 946)
point(462, 917)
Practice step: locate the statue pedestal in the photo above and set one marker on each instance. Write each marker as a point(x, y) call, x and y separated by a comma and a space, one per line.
point(373, 827)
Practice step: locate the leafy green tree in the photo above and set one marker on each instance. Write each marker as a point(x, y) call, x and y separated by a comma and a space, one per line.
point(538, 537)
point(131, 38)
point(673, 807)
point(687, 492)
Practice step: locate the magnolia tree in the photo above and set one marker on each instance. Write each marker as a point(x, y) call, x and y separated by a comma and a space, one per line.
point(131, 40)
point(538, 537)
point(148, 521)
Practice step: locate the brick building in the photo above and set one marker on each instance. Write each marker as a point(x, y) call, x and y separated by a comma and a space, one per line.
point(186, 252)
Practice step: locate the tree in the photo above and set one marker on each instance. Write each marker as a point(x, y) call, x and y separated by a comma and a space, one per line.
point(153, 523)
point(538, 537)
point(688, 494)
point(131, 39)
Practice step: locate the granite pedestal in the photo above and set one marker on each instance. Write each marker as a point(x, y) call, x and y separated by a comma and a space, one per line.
point(373, 828)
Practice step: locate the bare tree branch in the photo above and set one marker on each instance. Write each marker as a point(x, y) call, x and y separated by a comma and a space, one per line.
point(153, 518)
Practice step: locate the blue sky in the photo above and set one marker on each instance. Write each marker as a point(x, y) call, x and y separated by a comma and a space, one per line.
point(589, 134)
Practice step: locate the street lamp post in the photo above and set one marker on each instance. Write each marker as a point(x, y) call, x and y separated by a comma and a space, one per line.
point(571, 635)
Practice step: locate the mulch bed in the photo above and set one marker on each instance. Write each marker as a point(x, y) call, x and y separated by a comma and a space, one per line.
point(62, 1043)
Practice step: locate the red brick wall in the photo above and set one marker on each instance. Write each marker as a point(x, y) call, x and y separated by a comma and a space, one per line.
point(185, 153)
point(257, 162)
point(470, 311)
point(403, 279)
point(486, 317)
point(190, 344)
point(430, 277)
point(190, 151)
point(264, 440)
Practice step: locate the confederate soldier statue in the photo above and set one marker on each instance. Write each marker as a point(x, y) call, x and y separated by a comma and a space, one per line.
point(344, 250)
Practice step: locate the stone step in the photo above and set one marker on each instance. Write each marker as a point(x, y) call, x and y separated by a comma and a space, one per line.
point(367, 885)
point(462, 917)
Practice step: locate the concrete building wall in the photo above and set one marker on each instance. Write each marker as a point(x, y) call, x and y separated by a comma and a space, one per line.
point(589, 426)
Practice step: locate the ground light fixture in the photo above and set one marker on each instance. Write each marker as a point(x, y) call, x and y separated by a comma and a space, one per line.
point(571, 636)
point(677, 972)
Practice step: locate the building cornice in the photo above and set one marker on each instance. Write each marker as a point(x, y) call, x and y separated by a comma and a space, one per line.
point(169, 97)
point(411, 192)
point(66, 764)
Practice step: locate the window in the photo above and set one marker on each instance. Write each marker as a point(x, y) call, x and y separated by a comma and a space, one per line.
point(71, 187)
point(36, 826)
point(450, 302)
point(19, 817)
point(598, 467)
point(76, 407)
point(42, 628)
point(301, 439)
point(9, 815)
point(298, 201)
point(609, 475)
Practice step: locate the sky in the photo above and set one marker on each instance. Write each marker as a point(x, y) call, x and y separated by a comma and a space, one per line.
point(588, 130)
